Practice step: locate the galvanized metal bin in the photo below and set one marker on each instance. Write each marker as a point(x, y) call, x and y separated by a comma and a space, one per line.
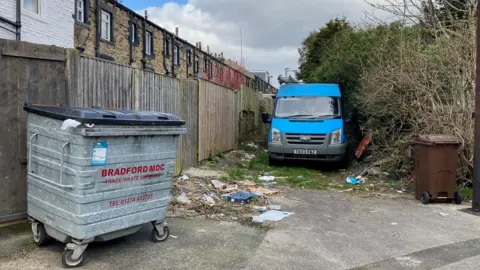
point(99, 180)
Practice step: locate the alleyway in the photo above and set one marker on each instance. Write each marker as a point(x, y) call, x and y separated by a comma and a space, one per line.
point(329, 230)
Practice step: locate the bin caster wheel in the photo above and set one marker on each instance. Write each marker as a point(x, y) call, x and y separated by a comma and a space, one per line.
point(425, 198)
point(40, 236)
point(457, 198)
point(156, 237)
point(67, 260)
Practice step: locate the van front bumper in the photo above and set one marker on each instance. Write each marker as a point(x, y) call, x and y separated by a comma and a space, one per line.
point(325, 152)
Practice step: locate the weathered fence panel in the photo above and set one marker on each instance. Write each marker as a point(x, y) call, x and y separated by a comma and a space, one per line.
point(158, 92)
point(249, 112)
point(103, 84)
point(218, 119)
point(188, 155)
point(28, 73)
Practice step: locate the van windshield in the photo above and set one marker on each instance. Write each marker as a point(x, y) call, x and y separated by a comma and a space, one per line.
point(308, 107)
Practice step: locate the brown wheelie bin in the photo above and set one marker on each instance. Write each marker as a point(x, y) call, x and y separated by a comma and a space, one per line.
point(436, 158)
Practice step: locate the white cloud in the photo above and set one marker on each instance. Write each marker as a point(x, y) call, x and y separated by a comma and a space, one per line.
point(272, 30)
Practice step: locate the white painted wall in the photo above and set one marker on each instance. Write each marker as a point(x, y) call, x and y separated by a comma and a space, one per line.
point(53, 26)
point(8, 11)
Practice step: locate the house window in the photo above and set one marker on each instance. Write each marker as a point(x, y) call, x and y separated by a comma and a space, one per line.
point(210, 69)
point(106, 26)
point(166, 47)
point(133, 34)
point(32, 5)
point(189, 57)
point(195, 65)
point(148, 43)
point(176, 55)
point(81, 8)
point(205, 64)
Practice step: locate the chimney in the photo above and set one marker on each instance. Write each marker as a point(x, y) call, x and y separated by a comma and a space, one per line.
point(200, 45)
point(176, 31)
point(215, 55)
point(208, 49)
point(196, 44)
point(146, 15)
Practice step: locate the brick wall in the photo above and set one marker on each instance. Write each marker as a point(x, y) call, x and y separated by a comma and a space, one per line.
point(52, 26)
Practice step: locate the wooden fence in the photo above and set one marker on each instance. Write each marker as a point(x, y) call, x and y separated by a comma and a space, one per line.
point(218, 114)
point(51, 75)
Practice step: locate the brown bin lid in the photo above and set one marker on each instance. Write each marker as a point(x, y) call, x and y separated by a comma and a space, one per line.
point(431, 139)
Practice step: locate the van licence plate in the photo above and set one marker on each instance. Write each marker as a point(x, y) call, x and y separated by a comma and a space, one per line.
point(304, 152)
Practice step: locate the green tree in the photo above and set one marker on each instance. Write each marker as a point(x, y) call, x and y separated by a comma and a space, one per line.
point(316, 44)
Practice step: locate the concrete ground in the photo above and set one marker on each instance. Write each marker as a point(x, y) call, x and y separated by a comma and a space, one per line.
point(329, 230)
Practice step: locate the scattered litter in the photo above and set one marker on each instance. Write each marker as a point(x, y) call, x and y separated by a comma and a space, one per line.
point(249, 156)
point(300, 176)
point(208, 199)
point(183, 199)
point(353, 181)
point(231, 188)
point(257, 193)
point(183, 177)
point(247, 183)
point(260, 208)
point(239, 197)
point(363, 145)
point(267, 178)
point(399, 191)
point(173, 236)
point(275, 207)
point(394, 224)
point(346, 190)
point(371, 185)
point(373, 211)
point(266, 151)
point(218, 184)
point(252, 145)
point(443, 214)
point(272, 215)
point(70, 123)
point(257, 219)
point(264, 191)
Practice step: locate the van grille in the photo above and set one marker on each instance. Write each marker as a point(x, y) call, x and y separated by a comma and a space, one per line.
point(314, 139)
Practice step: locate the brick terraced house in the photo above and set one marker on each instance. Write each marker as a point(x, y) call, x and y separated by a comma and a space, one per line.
point(109, 30)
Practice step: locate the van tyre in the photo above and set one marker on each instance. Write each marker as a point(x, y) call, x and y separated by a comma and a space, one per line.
point(273, 162)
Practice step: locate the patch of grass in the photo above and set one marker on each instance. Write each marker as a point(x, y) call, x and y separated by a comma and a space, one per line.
point(293, 176)
point(466, 192)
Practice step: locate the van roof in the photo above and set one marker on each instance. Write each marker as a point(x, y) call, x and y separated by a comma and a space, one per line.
point(309, 89)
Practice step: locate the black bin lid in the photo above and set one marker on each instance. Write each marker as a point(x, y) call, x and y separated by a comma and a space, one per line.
point(105, 117)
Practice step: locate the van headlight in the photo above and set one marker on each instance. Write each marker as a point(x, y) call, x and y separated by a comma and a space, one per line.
point(336, 137)
point(276, 138)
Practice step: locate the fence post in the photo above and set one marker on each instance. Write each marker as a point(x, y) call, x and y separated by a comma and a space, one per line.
point(71, 77)
point(180, 152)
point(136, 88)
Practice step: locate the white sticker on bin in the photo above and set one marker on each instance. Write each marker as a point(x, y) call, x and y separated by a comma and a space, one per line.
point(99, 156)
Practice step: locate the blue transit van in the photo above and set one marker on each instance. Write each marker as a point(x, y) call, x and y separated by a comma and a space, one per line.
point(307, 124)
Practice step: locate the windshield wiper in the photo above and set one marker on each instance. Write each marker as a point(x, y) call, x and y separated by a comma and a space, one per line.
point(298, 115)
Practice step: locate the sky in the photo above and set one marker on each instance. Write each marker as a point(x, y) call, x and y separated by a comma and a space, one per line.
point(268, 31)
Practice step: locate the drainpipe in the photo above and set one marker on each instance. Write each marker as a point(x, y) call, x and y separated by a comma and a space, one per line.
point(163, 56)
point(97, 29)
point(144, 33)
point(19, 19)
point(172, 38)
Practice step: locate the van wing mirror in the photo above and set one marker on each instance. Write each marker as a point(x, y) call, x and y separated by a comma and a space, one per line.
point(266, 118)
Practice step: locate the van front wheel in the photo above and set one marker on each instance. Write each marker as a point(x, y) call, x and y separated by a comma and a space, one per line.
point(273, 162)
